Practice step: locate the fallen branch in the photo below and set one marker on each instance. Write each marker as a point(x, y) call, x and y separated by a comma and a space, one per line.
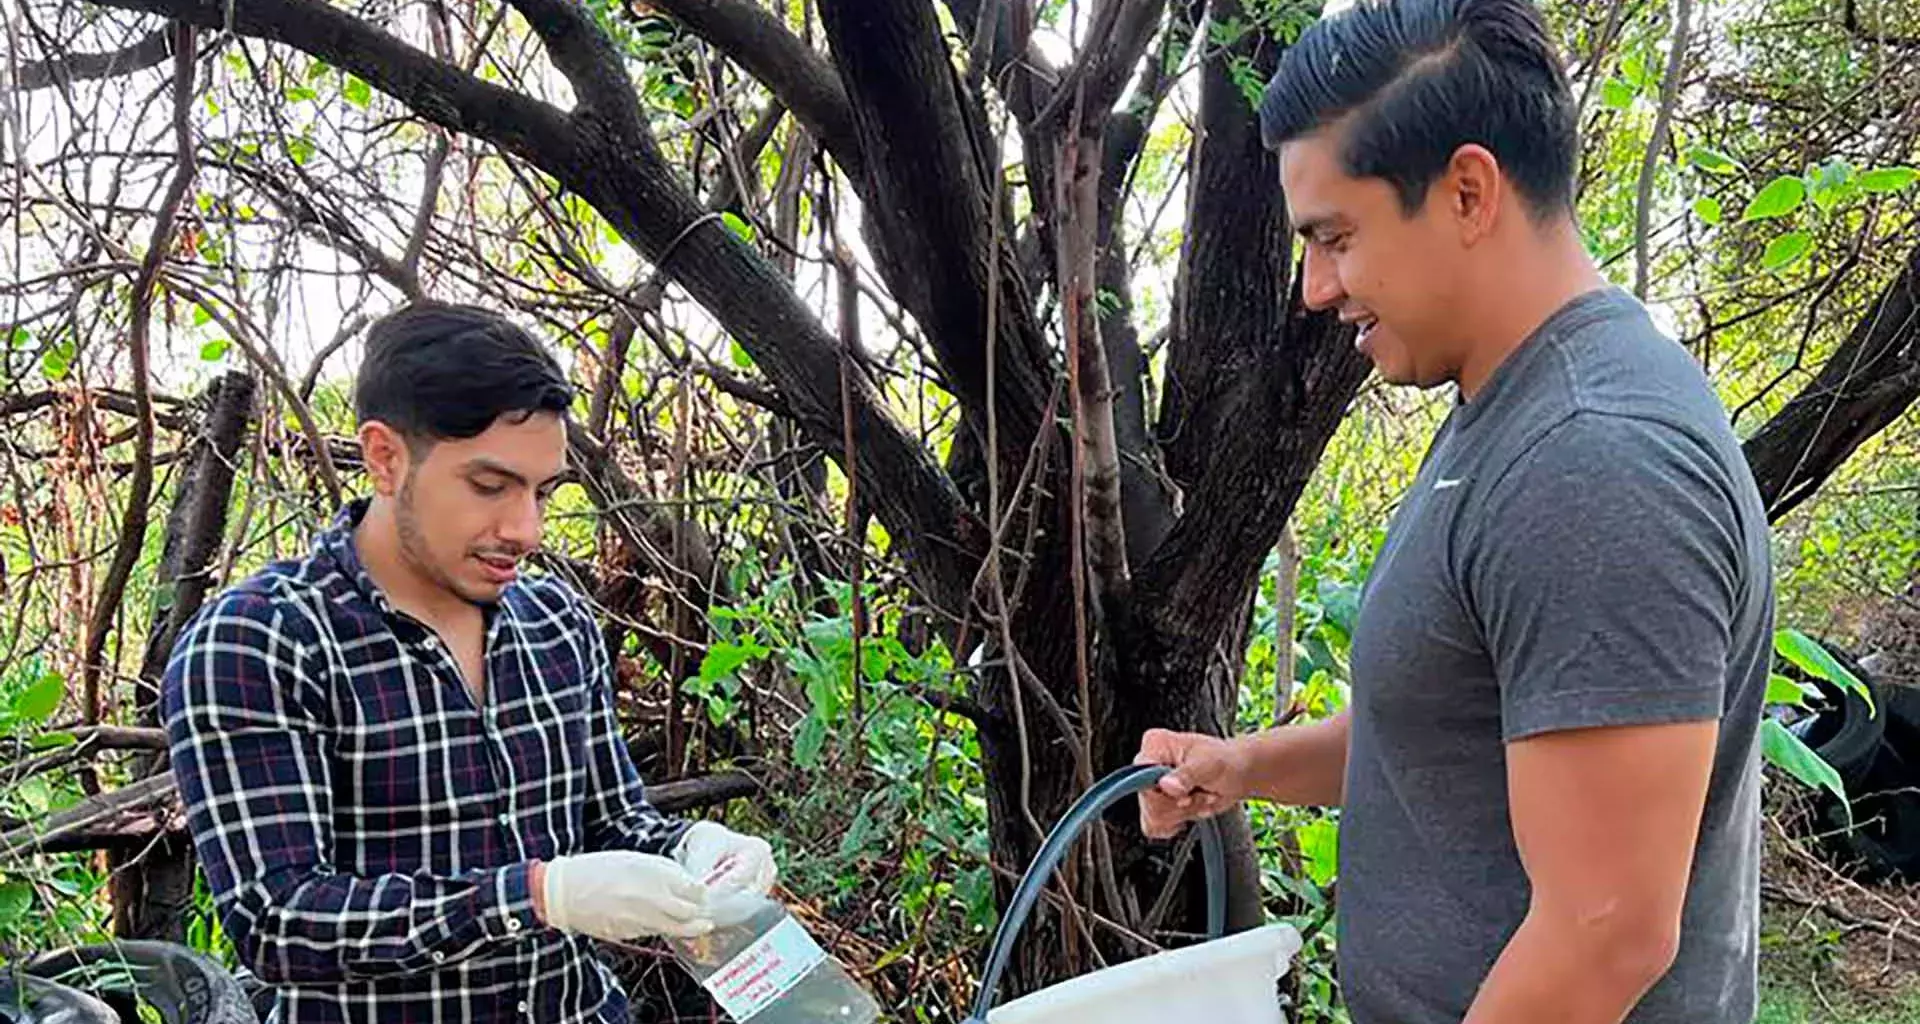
point(33, 837)
point(1838, 911)
point(138, 813)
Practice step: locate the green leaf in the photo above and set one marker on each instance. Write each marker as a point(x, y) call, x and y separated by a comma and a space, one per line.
point(1617, 94)
point(21, 338)
point(1707, 209)
point(808, 740)
point(201, 317)
point(1320, 850)
point(16, 899)
point(1784, 251)
point(1782, 690)
point(57, 361)
point(1889, 179)
point(300, 148)
point(1782, 196)
point(740, 228)
point(358, 92)
point(724, 659)
point(1831, 182)
point(740, 356)
point(36, 703)
point(1807, 655)
point(1785, 750)
point(52, 740)
point(1712, 161)
point(215, 350)
point(300, 94)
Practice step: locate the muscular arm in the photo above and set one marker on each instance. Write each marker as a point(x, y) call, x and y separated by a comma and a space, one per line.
point(1606, 821)
point(1303, 765)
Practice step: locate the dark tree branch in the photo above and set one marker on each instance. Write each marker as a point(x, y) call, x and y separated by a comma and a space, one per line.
point(196, 528)
point(927, 155)
point(1145, 493)
point(602, 90)
point(1868, 382)
point(151, 51)
point(801, 79)
point(1115, 41)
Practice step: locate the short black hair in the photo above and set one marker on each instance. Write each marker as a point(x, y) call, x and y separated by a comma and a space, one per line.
point(437, 371)
point(1414, 80)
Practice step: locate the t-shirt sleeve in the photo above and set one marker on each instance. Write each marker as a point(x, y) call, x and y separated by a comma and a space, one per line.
point(1603, 570)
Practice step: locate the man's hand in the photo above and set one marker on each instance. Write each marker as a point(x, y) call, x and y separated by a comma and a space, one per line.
point(725, 860)
point(1209, 775)
point(619, 895)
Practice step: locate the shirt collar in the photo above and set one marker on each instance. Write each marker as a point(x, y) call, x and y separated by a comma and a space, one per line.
point(335, 545)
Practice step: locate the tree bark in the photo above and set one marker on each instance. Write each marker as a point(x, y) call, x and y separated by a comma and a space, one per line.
point(1256, 388)
point(1868, 382)
point(152, 888)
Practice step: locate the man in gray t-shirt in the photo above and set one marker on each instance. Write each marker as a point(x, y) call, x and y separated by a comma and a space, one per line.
point(1549, 770)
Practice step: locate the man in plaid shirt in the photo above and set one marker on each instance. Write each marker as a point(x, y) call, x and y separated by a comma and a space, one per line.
point(399, 756)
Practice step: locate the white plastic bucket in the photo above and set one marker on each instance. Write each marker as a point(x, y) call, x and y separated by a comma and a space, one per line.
point(1225, 981)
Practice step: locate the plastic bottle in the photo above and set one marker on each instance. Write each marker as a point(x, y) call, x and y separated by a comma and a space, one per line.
point(762, 967)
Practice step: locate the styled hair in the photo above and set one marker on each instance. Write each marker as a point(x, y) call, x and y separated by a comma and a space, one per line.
point(1409, 82)
point(436, 371)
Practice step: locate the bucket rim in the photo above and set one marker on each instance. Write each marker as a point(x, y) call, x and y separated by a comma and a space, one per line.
point(1278, 939)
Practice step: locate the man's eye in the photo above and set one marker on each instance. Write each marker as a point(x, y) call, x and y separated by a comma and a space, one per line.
point(490, 490)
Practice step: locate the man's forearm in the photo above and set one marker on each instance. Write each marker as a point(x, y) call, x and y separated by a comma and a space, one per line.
point(1302, 765)
point(1561, 971)
point(320, 927)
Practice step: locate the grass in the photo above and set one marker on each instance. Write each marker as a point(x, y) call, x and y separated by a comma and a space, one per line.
point(1786, 1005)
point(1809, 975)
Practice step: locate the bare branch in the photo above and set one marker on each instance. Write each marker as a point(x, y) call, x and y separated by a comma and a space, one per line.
point(133, 524)
point(1650, 161)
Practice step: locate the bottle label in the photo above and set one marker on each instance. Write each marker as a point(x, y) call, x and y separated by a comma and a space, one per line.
point(763, 972)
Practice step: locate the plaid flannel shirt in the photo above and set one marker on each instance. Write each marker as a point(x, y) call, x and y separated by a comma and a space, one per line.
point(366, 828)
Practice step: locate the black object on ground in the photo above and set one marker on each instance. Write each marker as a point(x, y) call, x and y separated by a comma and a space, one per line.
point(182, 985)
point(1876, 750)
point(26, 999)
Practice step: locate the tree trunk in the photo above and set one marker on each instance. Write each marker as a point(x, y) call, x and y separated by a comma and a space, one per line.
point(153, 888)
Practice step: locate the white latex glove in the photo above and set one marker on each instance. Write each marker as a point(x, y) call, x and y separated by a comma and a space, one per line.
point(725, 860)
point(619, 895)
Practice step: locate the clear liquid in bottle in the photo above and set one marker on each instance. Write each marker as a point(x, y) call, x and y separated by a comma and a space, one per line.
point(762, 967)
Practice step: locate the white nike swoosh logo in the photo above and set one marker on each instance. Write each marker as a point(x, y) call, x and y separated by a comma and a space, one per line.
point(1443, 483)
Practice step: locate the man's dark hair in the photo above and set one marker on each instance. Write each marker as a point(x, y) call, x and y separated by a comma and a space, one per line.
point(435, 371)
point(1414, 80)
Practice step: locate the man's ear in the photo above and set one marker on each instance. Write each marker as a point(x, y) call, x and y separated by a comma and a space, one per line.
point(386, 456)
point(1474, 192)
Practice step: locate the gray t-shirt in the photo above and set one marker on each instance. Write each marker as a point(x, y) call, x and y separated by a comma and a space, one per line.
point(1583, 546)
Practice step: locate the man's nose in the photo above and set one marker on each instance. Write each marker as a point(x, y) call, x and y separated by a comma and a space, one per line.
point(1321, 290)
point(521, 526)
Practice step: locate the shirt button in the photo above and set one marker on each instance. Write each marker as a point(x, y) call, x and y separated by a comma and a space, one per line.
point(506, 819)
point(513, 924)
point(524, 1008)
point(439, 958)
